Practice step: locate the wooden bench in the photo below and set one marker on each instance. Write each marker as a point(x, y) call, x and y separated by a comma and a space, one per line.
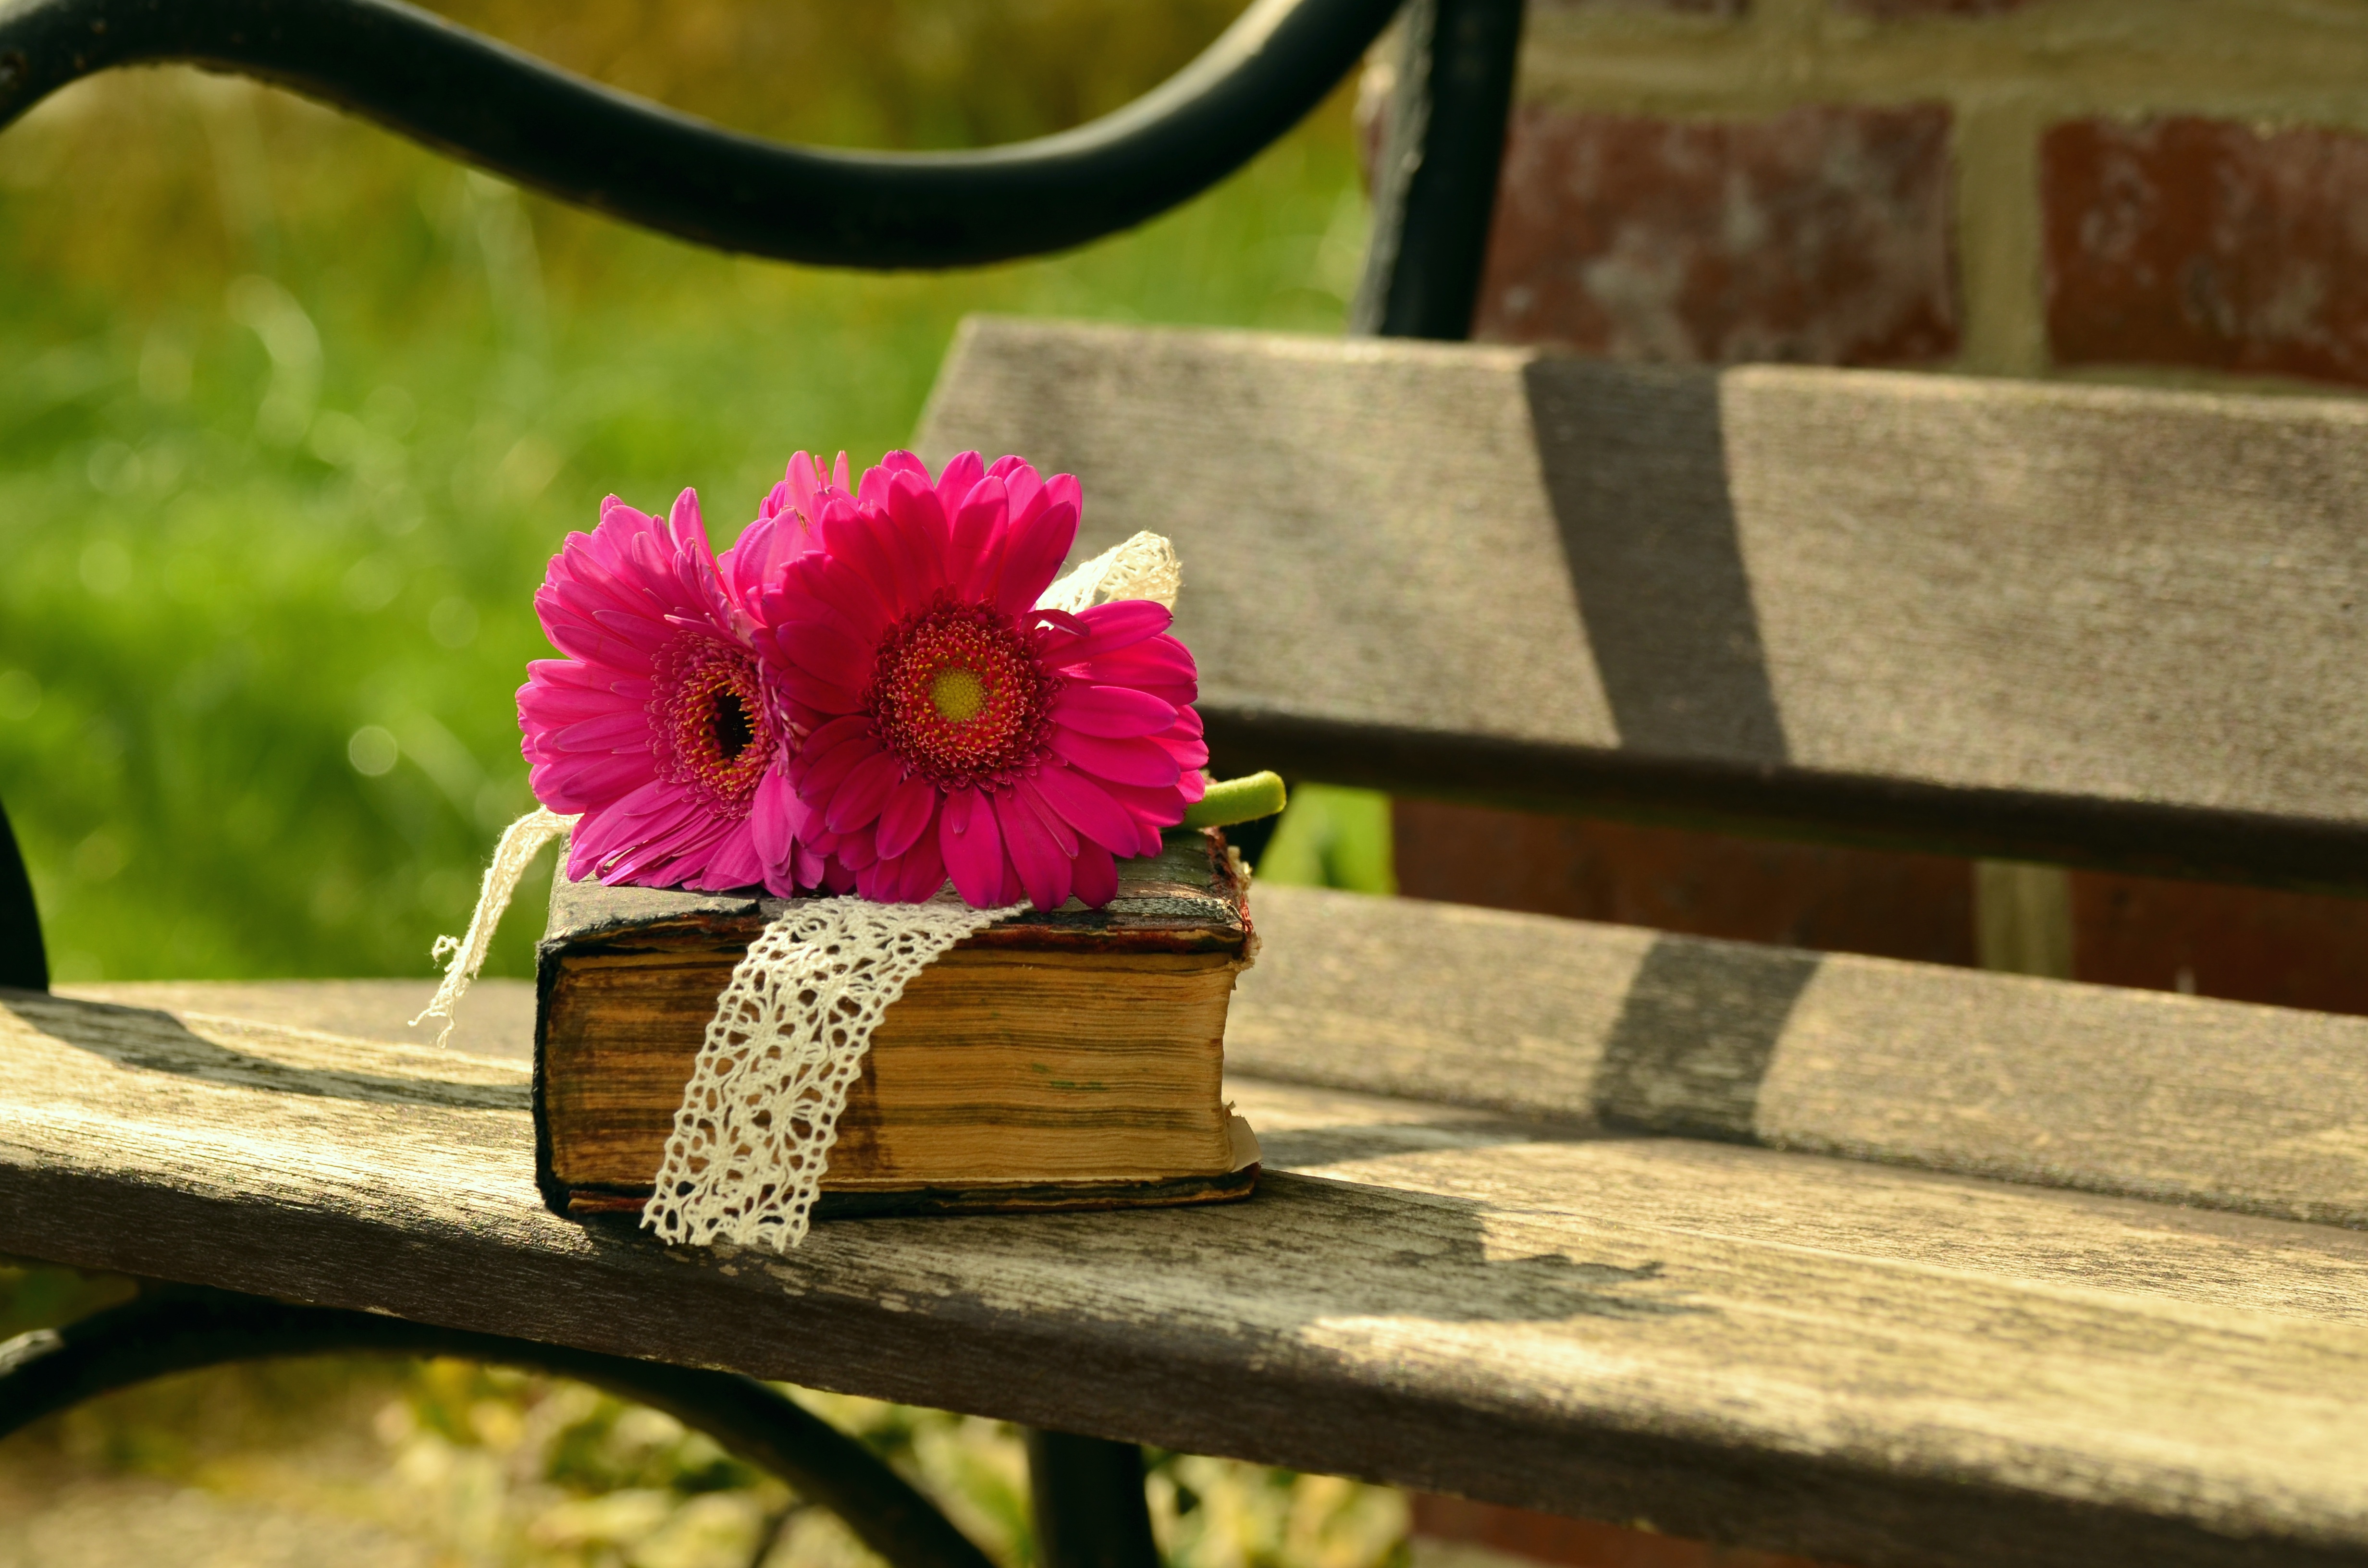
point(1875, 1261)
point(1886, 1263)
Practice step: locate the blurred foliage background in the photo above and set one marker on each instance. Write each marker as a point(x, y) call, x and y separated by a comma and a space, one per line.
point(294, 413)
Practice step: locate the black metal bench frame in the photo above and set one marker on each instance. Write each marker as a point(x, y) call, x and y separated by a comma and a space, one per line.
point(508, 113)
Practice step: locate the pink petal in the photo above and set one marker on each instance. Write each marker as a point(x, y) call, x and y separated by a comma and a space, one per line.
point(816, 693)
point(1121, 623)
point(580, 640)
point(831, 583)
point(972, 845)
point(598, 779)
point(655, 806)
point(922, 873)
point(1139, 762)
point(1088, 807)
point(1116, 712)
point(1115, 672)
point(609, 829)
point(973, 556)
point(917, 534)
point(1027, 486)
point(775, 815)
point(879, 881)
point(955, 481)
point(633, 629)
point(685, 840)
point(794, 599)
point(543, 706)
point(818, 777)
point(1189, 751)
point(871, 490)
point(803, 478)
point(911, 805)
point(856, 547)
point(1152, 809)
point(690, 531)
point(1032, 553)
point(858, 800)
point(732, 863)
point(624, 516)
point(1062, 835)
point(1095, 875)
point(822, 648)
point(1044, 869)
point(855, 852)
point(567, 673)
point(611, 732)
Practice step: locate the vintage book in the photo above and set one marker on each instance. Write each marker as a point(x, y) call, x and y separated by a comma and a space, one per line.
point(1066, 1060)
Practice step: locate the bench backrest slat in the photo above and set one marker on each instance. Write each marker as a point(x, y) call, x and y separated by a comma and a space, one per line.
point(2071, 622)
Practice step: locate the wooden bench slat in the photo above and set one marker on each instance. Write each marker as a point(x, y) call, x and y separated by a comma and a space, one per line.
point(1902, 609)
point(497, 1020)
point(1822, 1356)
point(2259, 1110)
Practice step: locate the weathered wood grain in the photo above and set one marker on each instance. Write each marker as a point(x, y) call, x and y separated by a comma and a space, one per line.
point(2259, 1110)
point(1867, 1363)
point(2068, 622)
point(497, 1020)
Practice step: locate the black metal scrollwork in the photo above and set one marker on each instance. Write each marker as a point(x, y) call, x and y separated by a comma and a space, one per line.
point(490, 104)
point(171, 1329)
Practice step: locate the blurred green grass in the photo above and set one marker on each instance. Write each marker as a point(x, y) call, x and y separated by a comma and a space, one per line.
point(298, 412)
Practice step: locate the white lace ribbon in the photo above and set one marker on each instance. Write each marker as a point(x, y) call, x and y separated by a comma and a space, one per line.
point(1143, 567)
point(757, 1121)
point(752, 1135)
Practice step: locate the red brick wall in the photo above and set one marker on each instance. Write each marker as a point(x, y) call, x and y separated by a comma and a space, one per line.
point(2183, 240)
point(1837, 230)
point(1819, 235)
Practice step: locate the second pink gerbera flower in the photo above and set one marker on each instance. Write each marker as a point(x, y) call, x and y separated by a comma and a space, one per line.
point(959, 729)
point(660, 725)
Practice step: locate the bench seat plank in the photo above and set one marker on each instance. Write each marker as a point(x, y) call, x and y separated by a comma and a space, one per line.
point(2261, 1110)
point(498, 1019)
point(2053, 622)
point(2146, 1094)
point(1860, 1361)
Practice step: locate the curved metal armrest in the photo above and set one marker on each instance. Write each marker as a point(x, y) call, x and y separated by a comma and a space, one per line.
point(482, 101)
point(180, 1330)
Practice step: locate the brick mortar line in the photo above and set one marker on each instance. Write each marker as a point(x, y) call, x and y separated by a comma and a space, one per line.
point(2078, 57)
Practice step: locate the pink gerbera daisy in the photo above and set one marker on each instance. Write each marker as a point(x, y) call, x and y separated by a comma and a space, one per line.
point(660, 726)
point(959, 729)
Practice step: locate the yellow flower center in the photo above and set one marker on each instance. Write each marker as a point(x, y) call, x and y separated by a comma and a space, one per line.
point(957, 694)
point(960, 696)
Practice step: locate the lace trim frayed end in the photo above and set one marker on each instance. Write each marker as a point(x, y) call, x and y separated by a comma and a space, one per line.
point(758, 1117)
point(1143, 567)
point(521, 841)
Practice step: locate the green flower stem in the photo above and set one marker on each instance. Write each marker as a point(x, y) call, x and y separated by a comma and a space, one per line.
point(1246, 799)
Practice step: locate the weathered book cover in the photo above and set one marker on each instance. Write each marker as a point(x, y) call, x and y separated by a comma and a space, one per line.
point(1069, 1059)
